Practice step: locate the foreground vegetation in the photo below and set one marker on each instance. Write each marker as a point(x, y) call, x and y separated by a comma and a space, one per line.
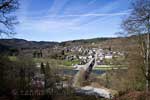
point(130, 75)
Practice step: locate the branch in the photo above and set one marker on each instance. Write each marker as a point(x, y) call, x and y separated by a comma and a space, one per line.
point(5, 4)
point(138, 20)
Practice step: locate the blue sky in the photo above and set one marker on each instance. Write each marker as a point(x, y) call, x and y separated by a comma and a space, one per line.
point(62, 20)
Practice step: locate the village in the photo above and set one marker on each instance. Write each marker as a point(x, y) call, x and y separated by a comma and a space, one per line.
point(75, 50)
point(83, 55)
point(89, 59)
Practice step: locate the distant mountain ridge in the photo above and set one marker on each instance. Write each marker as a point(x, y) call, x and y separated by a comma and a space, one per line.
point(21, 43)
point(118, 43)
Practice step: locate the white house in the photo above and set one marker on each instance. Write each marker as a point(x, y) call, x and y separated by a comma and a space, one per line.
point(108, 56)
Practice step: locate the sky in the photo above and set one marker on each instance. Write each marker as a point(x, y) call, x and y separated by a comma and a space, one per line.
point(63, 20)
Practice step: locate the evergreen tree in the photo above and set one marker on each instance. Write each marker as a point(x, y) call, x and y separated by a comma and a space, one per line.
point(42, 68)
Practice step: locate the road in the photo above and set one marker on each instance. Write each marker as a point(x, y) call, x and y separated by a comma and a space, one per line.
point(84, 70)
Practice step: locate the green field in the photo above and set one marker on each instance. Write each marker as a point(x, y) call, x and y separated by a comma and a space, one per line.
point(12, 58)
point(109, 67)
point(69, 64)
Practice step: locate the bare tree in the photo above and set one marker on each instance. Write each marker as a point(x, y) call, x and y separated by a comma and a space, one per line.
point(138, 23)
point(7, 18)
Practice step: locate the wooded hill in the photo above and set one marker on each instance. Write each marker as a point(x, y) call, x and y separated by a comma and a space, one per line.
point(116, 43)
point(21, 43)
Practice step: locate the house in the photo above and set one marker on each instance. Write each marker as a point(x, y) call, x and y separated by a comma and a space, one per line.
point(108, 56)
point(71, 57)
point(90, 57)
point(99, 62)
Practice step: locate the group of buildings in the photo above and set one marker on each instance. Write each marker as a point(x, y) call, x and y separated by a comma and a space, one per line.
point(83, 55)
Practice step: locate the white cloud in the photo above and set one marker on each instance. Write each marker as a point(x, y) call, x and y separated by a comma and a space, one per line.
point(96, 14)
point(57, 6)
point(91, 2)
point(52, 23)
point(100, 12)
